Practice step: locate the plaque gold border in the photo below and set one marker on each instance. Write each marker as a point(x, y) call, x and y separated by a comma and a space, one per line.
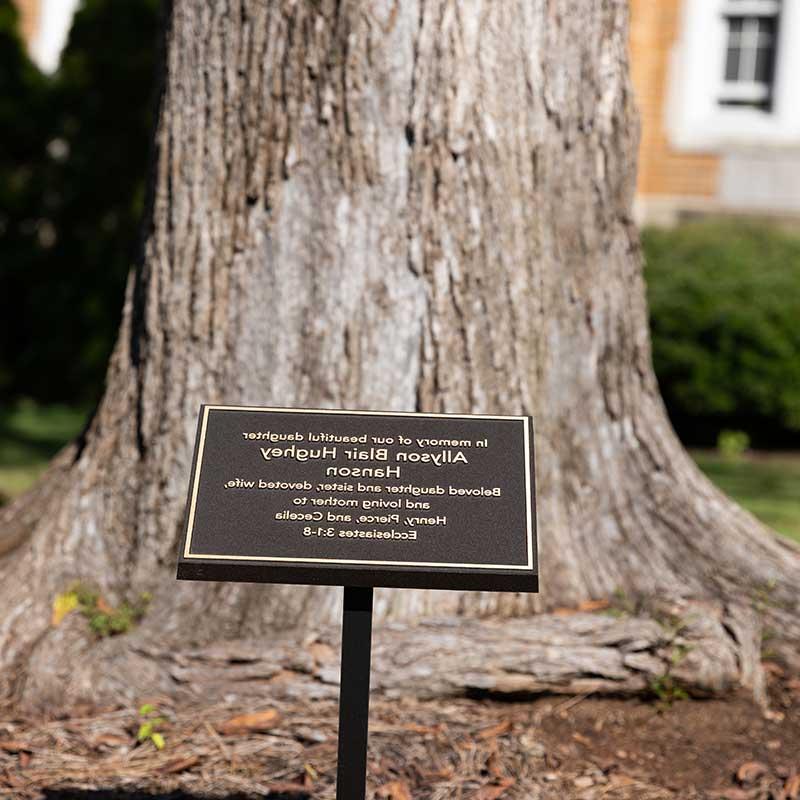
point(352, 561)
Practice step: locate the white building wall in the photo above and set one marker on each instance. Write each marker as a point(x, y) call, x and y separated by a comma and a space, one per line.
point(55, 19)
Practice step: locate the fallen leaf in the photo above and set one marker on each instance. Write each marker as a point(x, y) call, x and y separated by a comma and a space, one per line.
point(110, 740)
point(733, 794)
point(257, 722)
point(62, 605)
point(424, 729)
point(444, 774)
point(791, 789)
point(494, 730)
point(10, 746)
point(593, 605)
point(180, 765)
point(282, 676)
point(493, 791)
point(323, 653)
point(309, 774)
point(494, 766)
point(395, 790)
point(750, 771)
point(11, 780)
point(103, 606)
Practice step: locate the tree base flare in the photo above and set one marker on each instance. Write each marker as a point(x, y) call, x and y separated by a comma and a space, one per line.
point(679, 649)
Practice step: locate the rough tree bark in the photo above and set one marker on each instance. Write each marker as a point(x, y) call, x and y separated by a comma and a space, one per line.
point(398, 205)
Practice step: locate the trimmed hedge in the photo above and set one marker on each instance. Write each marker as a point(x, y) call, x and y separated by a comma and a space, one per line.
point(725, 320)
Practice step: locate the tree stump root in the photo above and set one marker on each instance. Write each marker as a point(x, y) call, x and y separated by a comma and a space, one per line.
point(673, 649)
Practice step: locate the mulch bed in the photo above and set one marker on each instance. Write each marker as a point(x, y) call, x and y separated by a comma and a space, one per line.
point(586, 748)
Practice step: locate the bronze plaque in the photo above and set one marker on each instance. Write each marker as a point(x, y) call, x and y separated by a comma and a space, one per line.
point(362, 498)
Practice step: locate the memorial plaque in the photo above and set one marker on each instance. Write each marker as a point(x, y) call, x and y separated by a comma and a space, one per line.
point(362, 498)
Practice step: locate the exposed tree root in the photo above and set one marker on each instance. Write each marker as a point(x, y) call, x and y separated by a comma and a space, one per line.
point(684, 648)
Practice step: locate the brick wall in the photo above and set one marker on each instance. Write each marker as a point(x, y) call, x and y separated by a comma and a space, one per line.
point(28, 18)
point(662, 170)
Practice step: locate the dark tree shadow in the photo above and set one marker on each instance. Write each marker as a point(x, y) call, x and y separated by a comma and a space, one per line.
point(115, 794)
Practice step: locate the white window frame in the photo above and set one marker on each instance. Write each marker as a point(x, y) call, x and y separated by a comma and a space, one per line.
point(748, 40)
point(695, 118)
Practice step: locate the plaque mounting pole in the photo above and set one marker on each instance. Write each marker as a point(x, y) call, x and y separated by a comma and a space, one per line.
point(351, 773)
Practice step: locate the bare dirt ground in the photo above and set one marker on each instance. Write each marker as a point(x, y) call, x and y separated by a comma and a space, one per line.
point(583, 747)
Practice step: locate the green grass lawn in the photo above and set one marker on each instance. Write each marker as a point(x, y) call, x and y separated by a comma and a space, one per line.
point(29, 436)
point(767, 484)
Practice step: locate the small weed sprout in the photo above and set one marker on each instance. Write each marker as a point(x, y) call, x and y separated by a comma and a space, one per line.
point(104, 620)
point(150, 723)
point(667, 690)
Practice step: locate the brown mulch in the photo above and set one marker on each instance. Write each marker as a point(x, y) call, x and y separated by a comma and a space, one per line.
point(584, 748)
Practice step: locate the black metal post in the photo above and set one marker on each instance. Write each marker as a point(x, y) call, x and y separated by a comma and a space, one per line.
point(351, 773)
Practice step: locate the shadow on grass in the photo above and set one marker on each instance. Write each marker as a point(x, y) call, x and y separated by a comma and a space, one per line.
point(18, 446)
point(30, 434)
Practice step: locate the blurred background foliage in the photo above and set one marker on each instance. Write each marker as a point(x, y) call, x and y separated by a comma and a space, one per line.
point(724, 296)
point(725, 323)
point(73, 161)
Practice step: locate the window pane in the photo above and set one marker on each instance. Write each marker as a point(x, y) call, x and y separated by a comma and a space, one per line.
point(750, 52)
point(766, 25)
point(735, 24)
point(732, 64)
point(766, 31)
point(763, 68)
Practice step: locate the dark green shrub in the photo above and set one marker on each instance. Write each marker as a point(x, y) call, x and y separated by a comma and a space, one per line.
point(725, 320)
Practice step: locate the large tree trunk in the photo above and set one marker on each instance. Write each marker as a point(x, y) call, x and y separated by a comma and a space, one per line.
point(384, 205)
